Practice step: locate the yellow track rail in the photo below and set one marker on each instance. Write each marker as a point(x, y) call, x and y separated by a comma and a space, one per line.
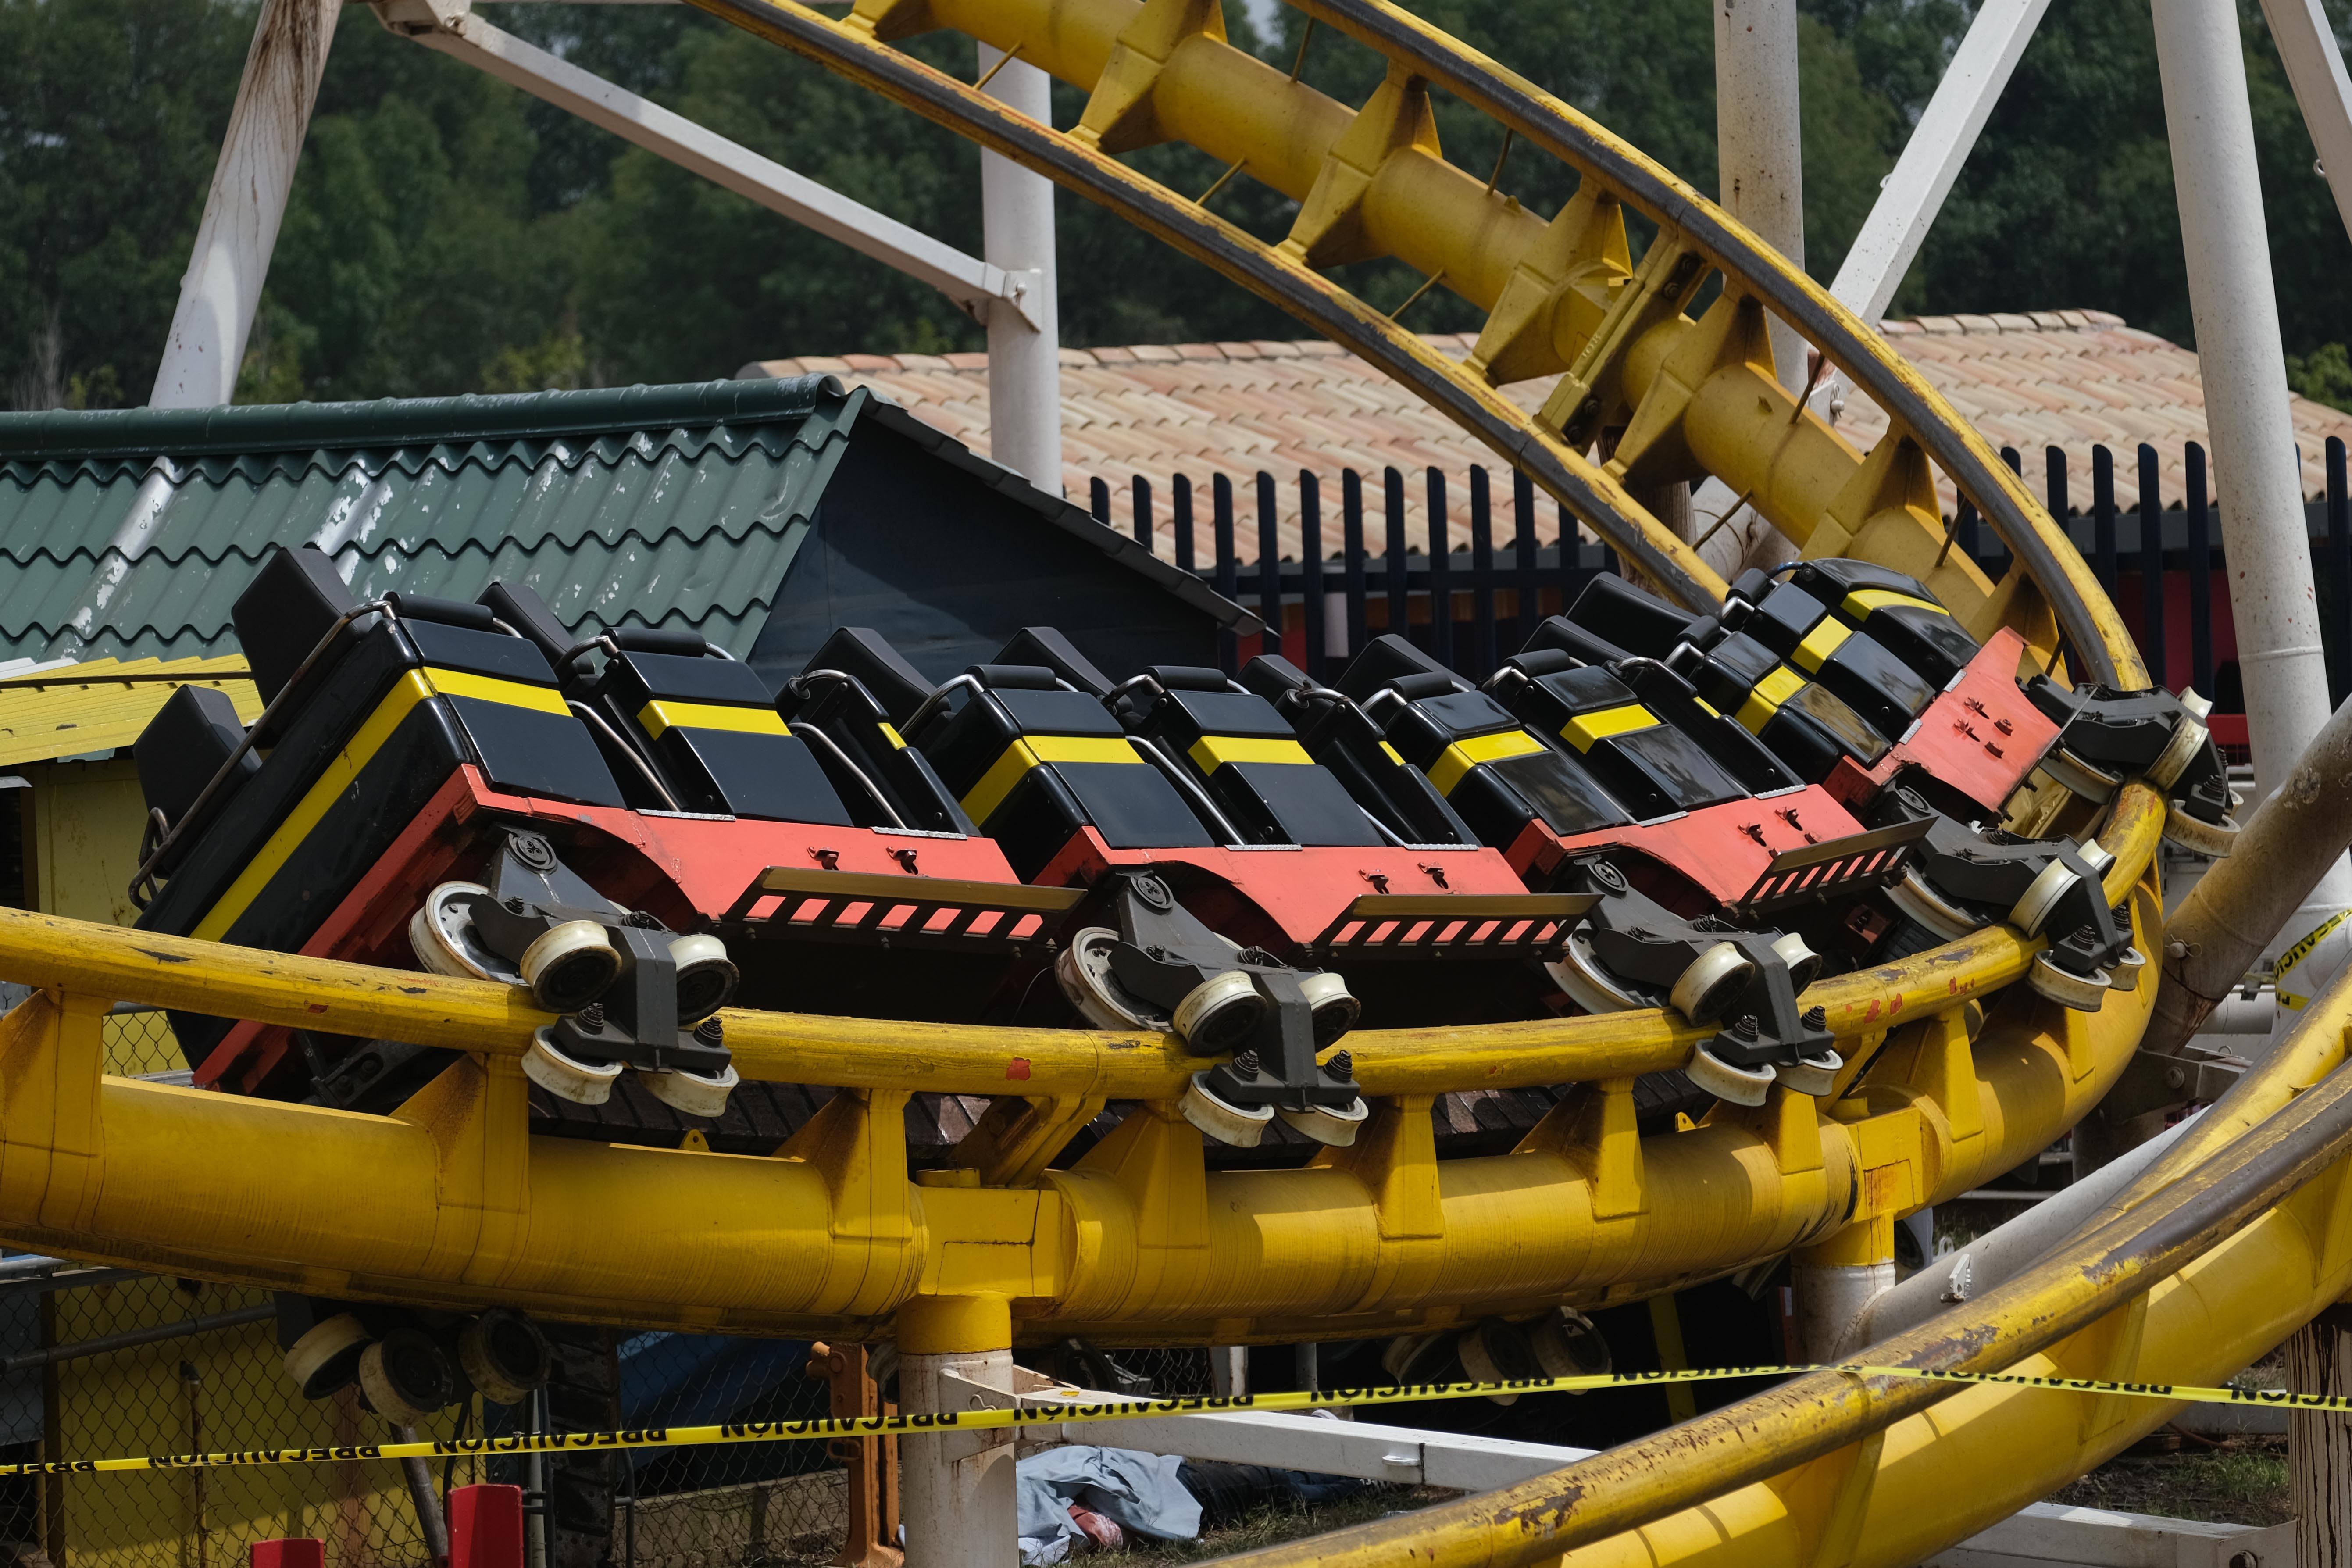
point(1675, 399)
point(451, 1202)
point(1856, 1478)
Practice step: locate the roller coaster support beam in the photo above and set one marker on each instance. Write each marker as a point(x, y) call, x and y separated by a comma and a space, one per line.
point(1914, 194)
point(1759, 142)
point(222, 288)
point(450, 27)
point(2210, 124)
point(2315, 70)
point(956, 1489)
point(1024, 345)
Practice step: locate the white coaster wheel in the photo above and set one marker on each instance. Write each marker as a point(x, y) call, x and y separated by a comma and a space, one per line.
point(2083, 992)
point(443, 937)
point(1566, 1343)
point(1219, 1014)
point(2212, 840)
point(1496, 1352)
point(2079, 776)
point(1334, 1129)
point(2042, 896)
point(706, 977)
point(504, 1355)
point(1083, 970)
point(1921, 904)
point(2125, 973)
point(571, 965)
point(693, 1093)
point(1336, 1007)
point(1714, 977)
point(1741, 1086)
point(1590, 986)
point(1804, 963)
point(1241, 1126)
point(326, 1357)
point(1815, 1075)
point(406, 1377)
point(2188, 738)
point(565, 1077)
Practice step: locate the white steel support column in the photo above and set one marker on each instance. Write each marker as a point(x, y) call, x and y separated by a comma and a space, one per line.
point(1914, 194)
point(1024, 360)
point(956, 1493)
point(1760, 141)
point(449, 28)
point(2210, 124)
point(1760, 157)
point(222, 288)
point(2315, 70)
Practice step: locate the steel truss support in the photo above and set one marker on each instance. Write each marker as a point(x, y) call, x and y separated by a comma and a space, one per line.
point(980, 290)
point(2315, 70)
point(222, 288)
point(1914, 194)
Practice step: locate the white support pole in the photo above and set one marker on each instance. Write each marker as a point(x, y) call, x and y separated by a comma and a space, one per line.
point(2315, 70)
point(1914, 194)
point(1025, 351)
point(1759, 141)
point(447, 26)
point(956, 1491)
point(2210, 124)
point(222, 288)
point(1761, 180)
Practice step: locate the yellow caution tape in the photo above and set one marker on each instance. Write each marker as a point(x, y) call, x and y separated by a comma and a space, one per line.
point(2298, 952)
point(828, 1426)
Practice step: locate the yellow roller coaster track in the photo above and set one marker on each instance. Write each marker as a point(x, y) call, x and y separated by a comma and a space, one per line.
point(1954, 1072)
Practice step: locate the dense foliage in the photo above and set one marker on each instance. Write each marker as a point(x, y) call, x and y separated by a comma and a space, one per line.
point(450, 234)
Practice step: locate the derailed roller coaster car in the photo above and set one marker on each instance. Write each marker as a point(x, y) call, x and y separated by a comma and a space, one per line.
point(433, 794)
point(1647, 812)
point(1870, 653)
point(1239, 893)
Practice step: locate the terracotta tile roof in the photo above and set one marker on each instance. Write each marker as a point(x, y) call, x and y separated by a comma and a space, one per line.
point(2073, 379)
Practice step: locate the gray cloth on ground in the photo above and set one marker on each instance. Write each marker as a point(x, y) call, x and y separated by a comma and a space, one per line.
point(1137, 1491)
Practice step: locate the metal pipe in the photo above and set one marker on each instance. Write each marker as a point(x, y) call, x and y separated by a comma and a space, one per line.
point(1024, 339)
point(131, 1339)
point(1996, 1256)
point(422, 1496)
point(2289, 847)
point(1811, 1417)
point(222, 288)
point(2323, 89)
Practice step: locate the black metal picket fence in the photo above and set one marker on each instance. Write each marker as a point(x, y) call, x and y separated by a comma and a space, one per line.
point(1384, 569)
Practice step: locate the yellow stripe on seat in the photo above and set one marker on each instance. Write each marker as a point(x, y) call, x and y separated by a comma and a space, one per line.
point(342, 770)
point(1585, 729)
point(659, 716)
point(1024, 755)
point(1766, 698)
point(1862, 600)
point(1819, 642)
point(1211, 753)
point(491, 689)
point(1459, 758)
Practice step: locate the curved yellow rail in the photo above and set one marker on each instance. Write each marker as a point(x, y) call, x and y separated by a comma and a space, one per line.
point(831, 1236)
point(1671, 398)
point(1909, 1487)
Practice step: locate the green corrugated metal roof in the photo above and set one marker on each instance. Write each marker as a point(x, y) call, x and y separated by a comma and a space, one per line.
point(130, 533)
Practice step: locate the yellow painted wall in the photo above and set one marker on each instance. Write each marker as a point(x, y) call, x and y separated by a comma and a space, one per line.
point(82, 826)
